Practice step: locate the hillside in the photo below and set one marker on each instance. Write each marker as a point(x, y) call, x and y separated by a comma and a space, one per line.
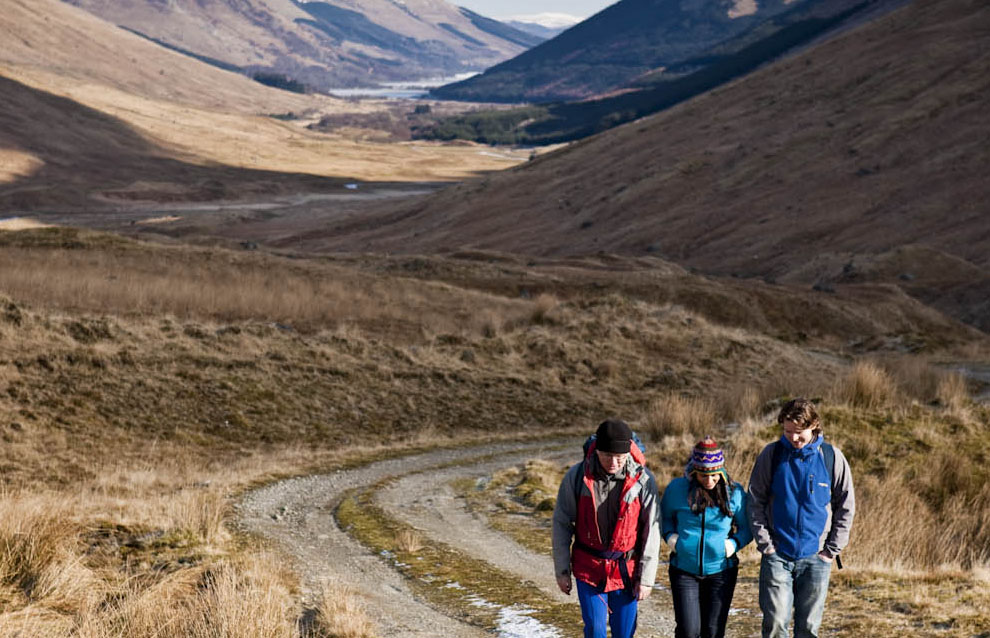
point(851, 149)
point(634, 38)
point(147, 392)
point(323, 44)
point(93, 117)
point(55, 47)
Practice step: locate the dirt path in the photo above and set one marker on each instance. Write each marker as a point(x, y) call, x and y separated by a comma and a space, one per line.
point(429, 503)
point(297, 516)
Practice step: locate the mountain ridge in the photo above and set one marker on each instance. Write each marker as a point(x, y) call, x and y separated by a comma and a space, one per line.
point(324, 44)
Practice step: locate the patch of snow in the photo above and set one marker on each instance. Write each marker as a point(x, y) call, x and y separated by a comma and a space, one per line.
point(477, 601)
point(549, 20)
point(743, 8)
point(515, 622)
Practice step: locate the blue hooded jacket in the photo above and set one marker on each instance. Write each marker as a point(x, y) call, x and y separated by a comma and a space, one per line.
point(802, 492)
point(700, 548)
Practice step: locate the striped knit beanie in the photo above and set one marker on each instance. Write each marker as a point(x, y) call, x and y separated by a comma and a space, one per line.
point(707, 458)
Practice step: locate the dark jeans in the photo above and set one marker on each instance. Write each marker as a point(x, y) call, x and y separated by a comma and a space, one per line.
point(701, 603)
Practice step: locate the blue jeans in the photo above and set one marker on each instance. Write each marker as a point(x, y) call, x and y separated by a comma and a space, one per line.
point(799, 584)
point(701, 603)
point(617, 608)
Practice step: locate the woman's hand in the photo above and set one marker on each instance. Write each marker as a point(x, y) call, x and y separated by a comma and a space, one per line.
point(730, 547)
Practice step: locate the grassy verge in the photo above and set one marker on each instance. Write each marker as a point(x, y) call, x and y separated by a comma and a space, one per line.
point(468, 587)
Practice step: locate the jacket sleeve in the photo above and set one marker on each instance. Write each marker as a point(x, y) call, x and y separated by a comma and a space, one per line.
point(668, 522)
point(843, 506)
point(759, 501)
point(564, 517)
point(740, 517)
point(649, 532)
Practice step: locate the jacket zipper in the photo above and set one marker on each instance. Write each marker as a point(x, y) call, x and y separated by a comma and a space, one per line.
point(701, 554)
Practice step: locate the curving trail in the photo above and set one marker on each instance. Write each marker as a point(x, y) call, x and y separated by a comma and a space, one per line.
point(296, 515)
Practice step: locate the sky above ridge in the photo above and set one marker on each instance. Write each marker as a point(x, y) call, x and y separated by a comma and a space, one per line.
point(506, 8)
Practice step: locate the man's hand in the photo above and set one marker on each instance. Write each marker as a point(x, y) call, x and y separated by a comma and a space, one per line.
point(642, 591)
point(564, 583)
point(825, 556)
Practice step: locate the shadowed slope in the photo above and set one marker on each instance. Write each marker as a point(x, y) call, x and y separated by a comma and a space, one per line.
point(73, 151)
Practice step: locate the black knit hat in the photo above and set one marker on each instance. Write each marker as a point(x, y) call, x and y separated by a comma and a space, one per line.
point(613, 436)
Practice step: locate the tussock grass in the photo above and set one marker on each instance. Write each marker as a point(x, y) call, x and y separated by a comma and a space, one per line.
point(39, 557)
point(867, 385)
point(340, 614)
point(673, 414)
point(408, 540)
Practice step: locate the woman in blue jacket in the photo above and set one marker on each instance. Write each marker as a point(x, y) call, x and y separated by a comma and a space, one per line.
point(705, 522)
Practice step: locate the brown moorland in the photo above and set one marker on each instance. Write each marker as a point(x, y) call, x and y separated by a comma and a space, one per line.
point(143, 386)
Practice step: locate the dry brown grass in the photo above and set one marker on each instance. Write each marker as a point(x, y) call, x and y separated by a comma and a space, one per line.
point(408, 540)
point(867, 385)
point(674, 415)
point(225, 287)
point(340, 614)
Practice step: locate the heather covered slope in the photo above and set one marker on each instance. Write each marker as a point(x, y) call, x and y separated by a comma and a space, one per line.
point(854, 148)
point(323, 44)
point(633, 38)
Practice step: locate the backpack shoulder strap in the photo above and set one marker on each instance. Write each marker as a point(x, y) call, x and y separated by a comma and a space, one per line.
point(776, 457)
point(828, 453)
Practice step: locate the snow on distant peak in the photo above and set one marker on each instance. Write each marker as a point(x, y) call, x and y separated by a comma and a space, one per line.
point(548, 20)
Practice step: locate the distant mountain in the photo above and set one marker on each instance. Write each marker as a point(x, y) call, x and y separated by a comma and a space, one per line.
point(543, 25)
point(329, 44)
point(629, 39)
point(855, 160)
point(558, 122)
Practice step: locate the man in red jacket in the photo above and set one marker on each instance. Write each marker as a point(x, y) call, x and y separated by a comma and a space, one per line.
point(607, 505)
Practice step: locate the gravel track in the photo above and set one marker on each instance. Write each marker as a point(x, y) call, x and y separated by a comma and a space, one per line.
point(297, 515)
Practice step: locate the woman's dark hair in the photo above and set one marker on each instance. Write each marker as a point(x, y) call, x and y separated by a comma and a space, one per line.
point(699, 498)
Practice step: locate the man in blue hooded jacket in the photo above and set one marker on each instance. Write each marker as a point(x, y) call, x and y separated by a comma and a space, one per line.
point(801, 508)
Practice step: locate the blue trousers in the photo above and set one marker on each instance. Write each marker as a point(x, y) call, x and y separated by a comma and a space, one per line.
point(799, 584)
point(617, 609)
point(701, 603)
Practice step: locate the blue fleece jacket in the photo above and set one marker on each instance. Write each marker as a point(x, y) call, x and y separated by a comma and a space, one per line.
point(802, 493)
point(700, 547)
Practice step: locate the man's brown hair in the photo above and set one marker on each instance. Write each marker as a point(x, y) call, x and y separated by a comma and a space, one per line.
point(802, 412)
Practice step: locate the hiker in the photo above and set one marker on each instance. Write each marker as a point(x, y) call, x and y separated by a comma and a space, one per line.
point(801, 510)
point(608, 505)
point(704, 520)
